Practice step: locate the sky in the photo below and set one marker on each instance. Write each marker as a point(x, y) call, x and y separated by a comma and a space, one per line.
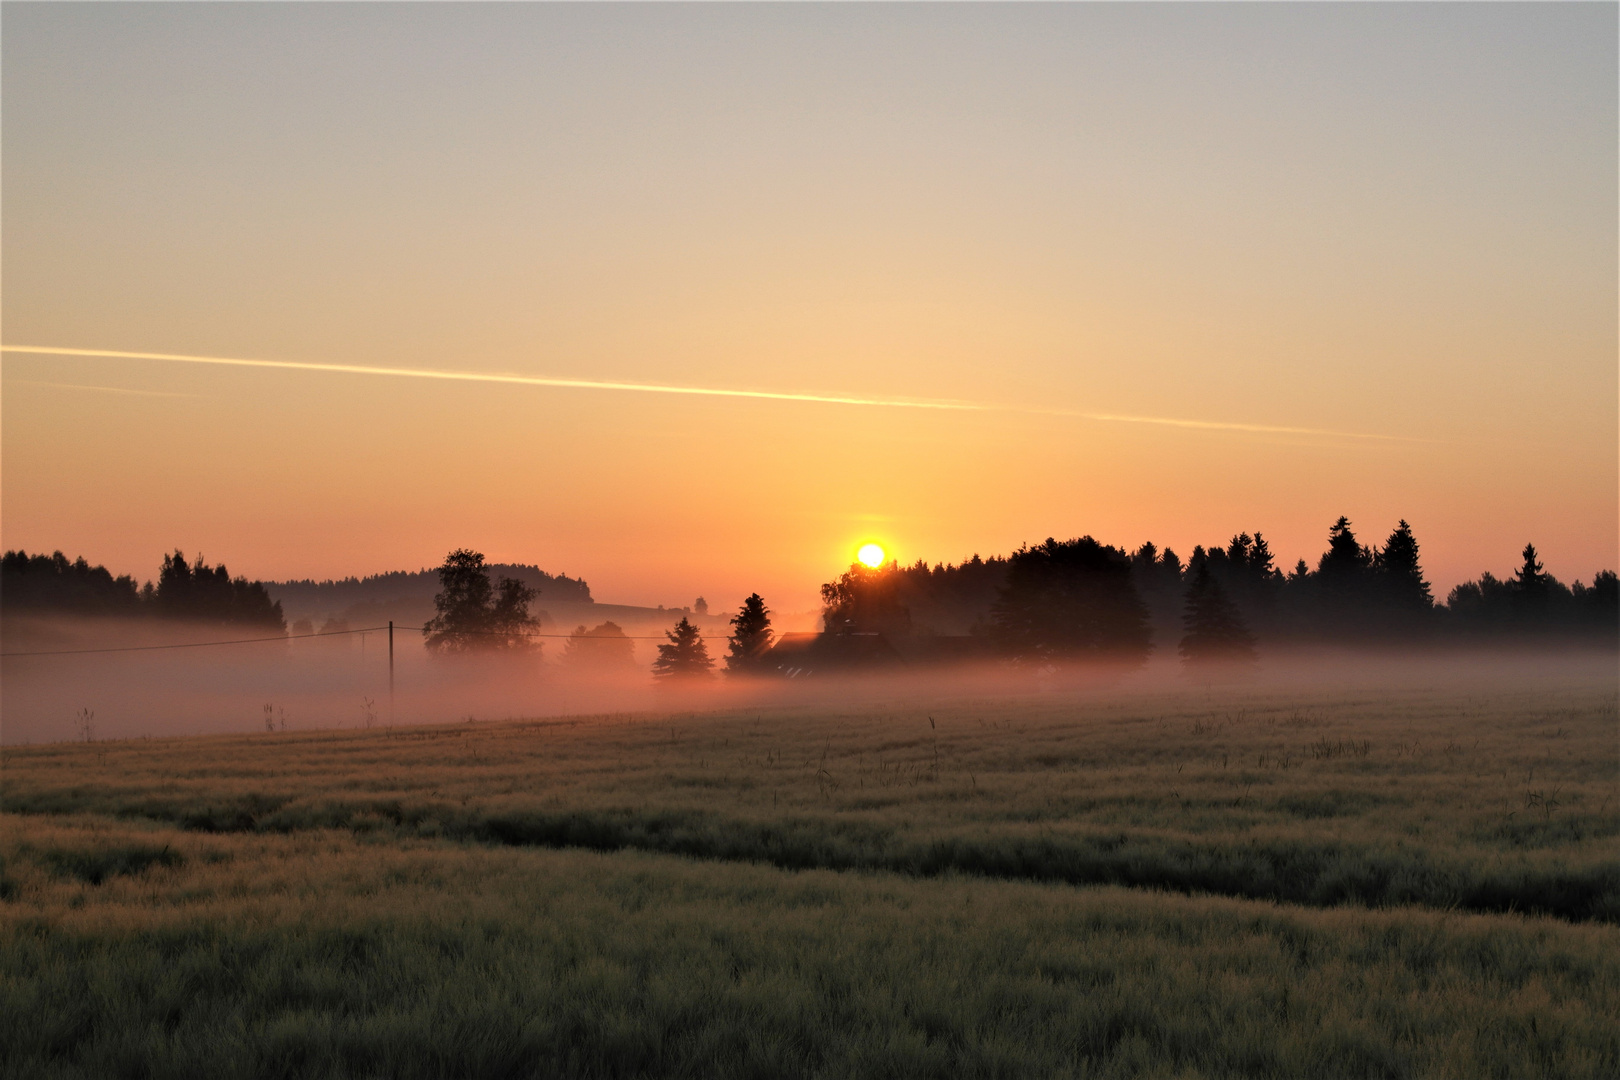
point(1178, 271)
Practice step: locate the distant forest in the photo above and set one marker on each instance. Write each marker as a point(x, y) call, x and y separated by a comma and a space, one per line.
point(420, 585)
point(50, 584)
point(53, 584)
point(1083, 598)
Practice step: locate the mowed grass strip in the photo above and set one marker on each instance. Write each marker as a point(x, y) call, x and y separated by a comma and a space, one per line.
point(331, 954)
point(1447, 797)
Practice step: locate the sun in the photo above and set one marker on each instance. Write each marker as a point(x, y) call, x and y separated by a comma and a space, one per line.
point(872, 555)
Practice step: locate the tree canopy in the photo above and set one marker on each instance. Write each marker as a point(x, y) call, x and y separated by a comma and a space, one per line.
point(1068, 601)
point(185, 590)
point(473, 615)
point(602, 648)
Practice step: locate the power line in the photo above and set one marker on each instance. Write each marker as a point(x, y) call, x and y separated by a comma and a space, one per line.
point(191, 644)
point(324, 633)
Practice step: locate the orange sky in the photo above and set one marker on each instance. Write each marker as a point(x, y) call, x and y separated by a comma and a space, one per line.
point(1393, 225)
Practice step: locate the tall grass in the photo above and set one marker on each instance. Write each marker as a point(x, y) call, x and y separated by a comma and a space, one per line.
point(1442, 798)
point(332, 953)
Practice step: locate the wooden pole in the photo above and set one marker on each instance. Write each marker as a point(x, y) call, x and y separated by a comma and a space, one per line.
point(390, 672)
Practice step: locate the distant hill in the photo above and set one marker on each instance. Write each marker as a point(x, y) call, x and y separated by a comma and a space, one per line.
point(310, 599)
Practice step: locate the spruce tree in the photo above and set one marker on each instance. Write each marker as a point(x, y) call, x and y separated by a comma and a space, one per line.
point(1345, 558)
point(1402, 576)
point(751, 638)
point(1215, 630)
point(1530, 579)
point(685, 657)
point(1532, 590)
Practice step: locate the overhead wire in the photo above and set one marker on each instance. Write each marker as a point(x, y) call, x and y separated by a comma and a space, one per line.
point(321, 634)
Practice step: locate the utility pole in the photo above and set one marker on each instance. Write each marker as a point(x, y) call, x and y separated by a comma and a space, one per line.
point(390, 672)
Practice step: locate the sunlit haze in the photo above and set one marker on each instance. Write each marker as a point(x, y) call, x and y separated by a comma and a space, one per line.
point(696, 300)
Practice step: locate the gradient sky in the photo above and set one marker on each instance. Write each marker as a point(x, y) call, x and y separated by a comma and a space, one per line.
point(1393, 227)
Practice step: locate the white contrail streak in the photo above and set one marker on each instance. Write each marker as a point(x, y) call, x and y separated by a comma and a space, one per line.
point(100, 389)
point(700, 391)
point(486, 377)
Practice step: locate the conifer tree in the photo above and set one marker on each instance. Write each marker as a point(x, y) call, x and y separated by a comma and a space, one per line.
point(1532, 590)
point(751, 638)
point(1345, 558)
point(685, 657)
point(1530, 579)
point(1215, 630)
point(1398, 565)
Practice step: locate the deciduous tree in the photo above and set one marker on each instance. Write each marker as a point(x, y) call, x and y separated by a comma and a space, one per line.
point(475, 616)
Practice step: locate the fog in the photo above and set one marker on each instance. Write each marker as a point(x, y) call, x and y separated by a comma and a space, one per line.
point(343, 681)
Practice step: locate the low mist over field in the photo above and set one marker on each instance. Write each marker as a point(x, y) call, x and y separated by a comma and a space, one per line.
point(342, 682)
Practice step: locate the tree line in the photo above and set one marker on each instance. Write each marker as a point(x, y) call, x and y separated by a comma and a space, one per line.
point(195, 591)
point(1081, 599)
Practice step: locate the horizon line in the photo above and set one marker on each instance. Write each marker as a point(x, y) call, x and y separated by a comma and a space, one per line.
point(944, 405)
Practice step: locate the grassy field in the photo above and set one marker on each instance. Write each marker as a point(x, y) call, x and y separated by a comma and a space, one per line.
point(1240, 882)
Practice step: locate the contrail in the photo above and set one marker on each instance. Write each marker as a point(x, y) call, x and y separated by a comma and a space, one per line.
point(486, 377)
point(699, 391)
point(101, 389)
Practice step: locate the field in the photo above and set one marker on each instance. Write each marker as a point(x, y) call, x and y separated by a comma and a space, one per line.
point(1251, 881)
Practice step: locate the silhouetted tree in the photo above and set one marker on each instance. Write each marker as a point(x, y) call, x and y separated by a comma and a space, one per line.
point(864, 600)
point(475, 616)
point(602, 648)
point(685, 657)
point(206, 593)
point(1071, 601)
point(751, 637)
point(1345, 560)
point(1338, 598)
point(52, 583)
point(1157, 577)
point(1397, 565)
point(1215, 631)
point(1532, 589)
point(1598, 605)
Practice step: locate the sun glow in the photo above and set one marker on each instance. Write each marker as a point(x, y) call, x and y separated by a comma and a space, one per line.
point(872, 555)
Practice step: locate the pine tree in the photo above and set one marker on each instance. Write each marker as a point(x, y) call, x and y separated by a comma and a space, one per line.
point(1532, 590)
point(1530, 579)
point(1215, 630)
point(752, 637)
point(1345, 558)
point(685, 657)
point(1398, 565)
